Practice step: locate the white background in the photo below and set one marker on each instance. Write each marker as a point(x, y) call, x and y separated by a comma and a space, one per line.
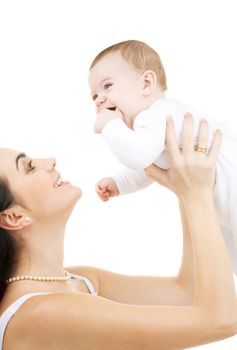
point(45, 109)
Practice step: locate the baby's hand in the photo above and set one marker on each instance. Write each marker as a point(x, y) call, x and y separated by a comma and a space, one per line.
point(106, 188)
point(105, 116)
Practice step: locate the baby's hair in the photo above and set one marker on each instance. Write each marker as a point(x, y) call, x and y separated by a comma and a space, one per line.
point(141, 55)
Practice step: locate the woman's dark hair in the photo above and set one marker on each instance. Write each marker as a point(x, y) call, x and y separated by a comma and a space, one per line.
point(7, 243)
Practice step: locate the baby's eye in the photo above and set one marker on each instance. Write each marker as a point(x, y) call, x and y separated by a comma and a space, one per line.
point(94, 97)
point(107, 85)
point(30, 167)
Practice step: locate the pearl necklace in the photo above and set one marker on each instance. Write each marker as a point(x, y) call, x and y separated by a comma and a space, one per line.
point(39, 278)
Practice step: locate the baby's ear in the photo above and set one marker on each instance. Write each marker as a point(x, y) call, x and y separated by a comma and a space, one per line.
point(149, 82)
point(14, 218)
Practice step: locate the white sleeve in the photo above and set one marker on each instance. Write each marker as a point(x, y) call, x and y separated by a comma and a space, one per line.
point(131, 180)
point(136, 148)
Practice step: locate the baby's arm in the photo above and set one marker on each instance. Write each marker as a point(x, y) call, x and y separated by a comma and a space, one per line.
point(136, 148)
point(131, 180)
point(128, 181)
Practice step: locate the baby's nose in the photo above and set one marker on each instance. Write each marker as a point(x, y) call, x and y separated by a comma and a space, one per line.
point(100, 100)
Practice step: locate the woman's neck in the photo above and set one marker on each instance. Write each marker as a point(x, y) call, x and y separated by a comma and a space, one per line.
point(41, 255)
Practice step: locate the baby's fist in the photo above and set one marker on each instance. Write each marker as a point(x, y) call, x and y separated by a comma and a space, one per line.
point(106, 188)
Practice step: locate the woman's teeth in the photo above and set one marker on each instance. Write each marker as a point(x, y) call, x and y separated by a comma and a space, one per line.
point(59, 182)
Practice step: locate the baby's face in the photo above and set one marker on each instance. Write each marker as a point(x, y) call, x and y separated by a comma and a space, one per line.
point(114, 83)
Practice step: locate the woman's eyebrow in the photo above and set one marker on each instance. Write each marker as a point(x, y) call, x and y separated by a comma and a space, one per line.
point(20, 155)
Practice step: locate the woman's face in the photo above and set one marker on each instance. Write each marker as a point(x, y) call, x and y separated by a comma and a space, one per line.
point(37, 185)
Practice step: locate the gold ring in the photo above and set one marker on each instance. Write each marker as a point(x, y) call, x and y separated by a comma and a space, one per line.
point(200, 149)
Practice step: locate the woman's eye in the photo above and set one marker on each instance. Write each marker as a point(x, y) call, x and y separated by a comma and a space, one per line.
point(108, 85)
point(30, 167)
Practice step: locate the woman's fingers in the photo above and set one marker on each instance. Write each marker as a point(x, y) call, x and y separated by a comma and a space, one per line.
point(171, 141)
point(193, 168)
point(216, 145)
point(188, 134)
point(203, 134)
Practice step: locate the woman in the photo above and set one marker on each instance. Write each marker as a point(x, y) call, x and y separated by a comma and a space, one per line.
point(196, 307)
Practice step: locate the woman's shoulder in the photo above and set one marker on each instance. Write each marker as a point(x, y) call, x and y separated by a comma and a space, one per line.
point(43, 317)
point(66, 321)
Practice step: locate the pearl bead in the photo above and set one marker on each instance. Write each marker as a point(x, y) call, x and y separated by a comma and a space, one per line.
point(39, 278)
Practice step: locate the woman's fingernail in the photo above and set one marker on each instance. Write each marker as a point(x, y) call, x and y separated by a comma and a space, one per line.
point(188, 115)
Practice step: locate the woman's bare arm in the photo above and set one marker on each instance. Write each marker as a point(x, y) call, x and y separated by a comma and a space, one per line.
point(77, 321)
point(186, 273)
point(147, 290)
point(137, 290)
point(98, 323)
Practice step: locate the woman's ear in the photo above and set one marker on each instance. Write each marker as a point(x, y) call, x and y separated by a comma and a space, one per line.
point(149, 82)
point(14, 219)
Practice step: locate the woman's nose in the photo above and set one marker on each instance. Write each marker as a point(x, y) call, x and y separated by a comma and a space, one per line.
point(49, 163)
point(52, 163)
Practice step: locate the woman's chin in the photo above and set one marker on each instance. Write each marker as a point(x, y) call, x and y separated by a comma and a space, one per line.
point(78, 192)
point(72, 195)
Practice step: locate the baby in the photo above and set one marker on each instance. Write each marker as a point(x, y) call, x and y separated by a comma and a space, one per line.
point(128, 84)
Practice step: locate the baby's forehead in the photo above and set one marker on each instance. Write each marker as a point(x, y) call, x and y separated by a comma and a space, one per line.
point(99, 73)
point(110, 66)
point(108, 57)
point(103, 67)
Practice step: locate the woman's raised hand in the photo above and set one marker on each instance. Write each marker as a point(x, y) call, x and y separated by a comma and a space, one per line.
point(192, 165)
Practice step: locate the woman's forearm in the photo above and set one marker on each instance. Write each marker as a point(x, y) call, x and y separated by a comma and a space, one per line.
point(186, 273)
point(214, 284)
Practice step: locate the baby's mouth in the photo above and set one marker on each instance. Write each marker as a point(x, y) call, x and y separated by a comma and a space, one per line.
point(114, 109)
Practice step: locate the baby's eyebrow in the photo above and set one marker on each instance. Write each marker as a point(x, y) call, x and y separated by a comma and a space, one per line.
point(108, 78)
point(20, 155)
